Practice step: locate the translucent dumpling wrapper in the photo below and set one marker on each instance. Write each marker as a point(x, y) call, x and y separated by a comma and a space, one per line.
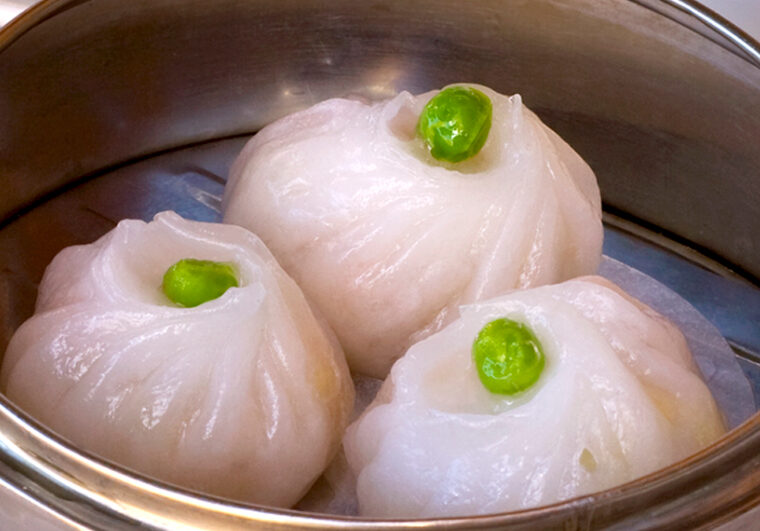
point(388, 241)
point(218, 398)
point(620, 396)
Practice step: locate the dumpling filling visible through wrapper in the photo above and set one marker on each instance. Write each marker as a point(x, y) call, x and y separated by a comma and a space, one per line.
point(387, 241)
point(620, 397)
point(219, 398)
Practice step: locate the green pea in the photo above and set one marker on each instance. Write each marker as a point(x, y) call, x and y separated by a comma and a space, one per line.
point(508, 356)
point(455, 123)
point(191, 282)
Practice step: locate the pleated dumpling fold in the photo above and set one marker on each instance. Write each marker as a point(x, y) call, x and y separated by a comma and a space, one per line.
point(219, 398)
point(388, 241)
point(619, 397)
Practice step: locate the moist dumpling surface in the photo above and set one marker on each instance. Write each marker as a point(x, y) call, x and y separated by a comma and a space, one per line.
point(619, 397)
point(387, 241)
point(217, 398)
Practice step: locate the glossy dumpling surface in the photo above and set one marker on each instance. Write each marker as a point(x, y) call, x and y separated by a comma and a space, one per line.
point(619, 397)
point(387, 241)
point(218, 398)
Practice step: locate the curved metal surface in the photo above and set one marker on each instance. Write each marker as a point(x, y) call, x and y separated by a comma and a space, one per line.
point(708, 487)
point(102, 82)
point(708, 23)
point(71, 73)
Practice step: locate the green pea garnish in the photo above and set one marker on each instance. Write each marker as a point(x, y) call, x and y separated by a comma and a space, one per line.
point(508, 356)
point(455, 123)
point(191, 282)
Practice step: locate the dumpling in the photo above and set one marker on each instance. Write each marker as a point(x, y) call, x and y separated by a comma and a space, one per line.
point(387, 240)
point(619, 397)
point(218, 397)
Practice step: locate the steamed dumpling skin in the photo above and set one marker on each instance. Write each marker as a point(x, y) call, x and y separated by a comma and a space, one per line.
point(387, 241)
point(219, 398)
point(619, 397)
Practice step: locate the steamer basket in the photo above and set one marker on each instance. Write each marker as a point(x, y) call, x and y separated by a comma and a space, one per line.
point(112, 109)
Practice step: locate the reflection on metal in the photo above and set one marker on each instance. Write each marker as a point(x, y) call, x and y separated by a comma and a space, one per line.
point(709, 24)
point(10, 9)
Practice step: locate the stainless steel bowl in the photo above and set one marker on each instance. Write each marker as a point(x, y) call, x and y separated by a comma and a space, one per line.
point(113, 109)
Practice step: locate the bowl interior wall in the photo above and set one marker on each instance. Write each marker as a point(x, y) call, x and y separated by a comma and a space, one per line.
point(668, 119)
